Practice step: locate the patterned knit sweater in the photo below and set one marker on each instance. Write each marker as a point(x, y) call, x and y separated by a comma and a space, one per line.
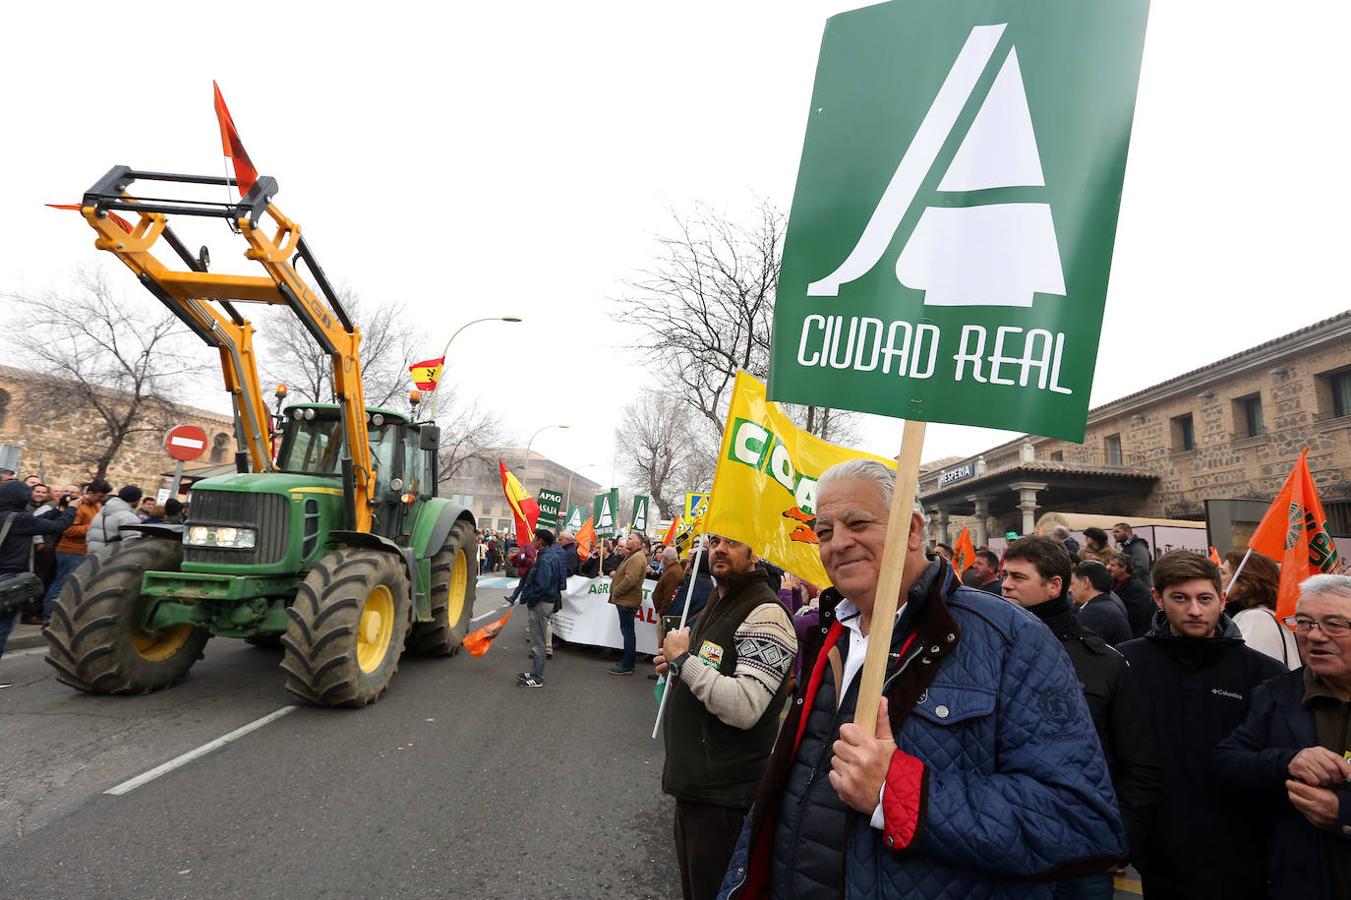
point(766, 646)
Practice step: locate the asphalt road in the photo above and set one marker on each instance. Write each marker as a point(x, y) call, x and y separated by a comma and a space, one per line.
point(458, 782)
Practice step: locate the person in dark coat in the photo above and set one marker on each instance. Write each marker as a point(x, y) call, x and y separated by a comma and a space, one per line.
point(1100, 611)
point(983, 776)
point(1134, 595)
point(1137, 548)
point(1036, 568)
point(16, 553)
point(1288, 760)
point(1197, 677)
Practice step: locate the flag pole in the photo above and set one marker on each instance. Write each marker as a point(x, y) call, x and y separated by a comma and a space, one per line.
point(684, 617)
point(889, 582)
point(1238, 571)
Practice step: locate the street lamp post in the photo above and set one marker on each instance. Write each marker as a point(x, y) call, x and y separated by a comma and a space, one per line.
point(526, 464)
point(567, 495)
point(446, 350)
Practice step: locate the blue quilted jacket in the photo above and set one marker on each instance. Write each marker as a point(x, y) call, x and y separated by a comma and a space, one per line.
point(999, 784)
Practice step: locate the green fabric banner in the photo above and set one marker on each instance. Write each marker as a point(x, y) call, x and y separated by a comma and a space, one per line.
point(952, 227)
point(550, 508)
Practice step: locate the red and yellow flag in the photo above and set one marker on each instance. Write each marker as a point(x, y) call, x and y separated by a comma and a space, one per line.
point(427, 373)
point(1295, 531)
point(245, 173)
point(524, 508)
point(964, 554)
point(586, 539)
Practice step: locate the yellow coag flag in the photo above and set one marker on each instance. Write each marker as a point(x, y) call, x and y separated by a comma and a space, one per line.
point(764, 490)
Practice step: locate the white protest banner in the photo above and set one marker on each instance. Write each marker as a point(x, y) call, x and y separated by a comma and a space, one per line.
point(588, 616)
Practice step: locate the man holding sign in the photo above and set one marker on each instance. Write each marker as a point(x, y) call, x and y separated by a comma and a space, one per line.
point(983, 767)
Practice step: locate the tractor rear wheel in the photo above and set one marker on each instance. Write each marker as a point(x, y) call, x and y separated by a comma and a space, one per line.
point(452, 596)
point(97, 643)
point(348, 625)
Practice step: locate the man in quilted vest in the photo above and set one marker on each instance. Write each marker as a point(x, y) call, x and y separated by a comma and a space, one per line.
point(983, 778)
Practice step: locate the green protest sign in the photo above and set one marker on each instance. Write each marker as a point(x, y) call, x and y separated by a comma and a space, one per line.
point(603, 513)
point(550, 508)
point(952, 225)
point(639, 518)
point(576, 516)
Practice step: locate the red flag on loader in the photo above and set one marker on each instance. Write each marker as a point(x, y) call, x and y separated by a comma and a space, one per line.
point(524, 508)
point(245, 173)
point(964, 554)
point(1295, 531)
point(481, 641)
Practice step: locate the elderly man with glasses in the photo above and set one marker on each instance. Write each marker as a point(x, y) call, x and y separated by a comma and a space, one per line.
point(1289, 759)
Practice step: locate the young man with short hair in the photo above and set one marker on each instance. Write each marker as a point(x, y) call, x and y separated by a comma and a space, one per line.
point(539, 590)
point(1198, 678)
point(1138, 550)
point(985, 569)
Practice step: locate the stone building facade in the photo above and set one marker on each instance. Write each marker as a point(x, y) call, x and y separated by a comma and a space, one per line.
point(479, 485)
point(61, 442)
point(1230, 430)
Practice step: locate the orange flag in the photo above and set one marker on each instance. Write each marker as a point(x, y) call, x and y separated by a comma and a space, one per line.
point(964, 554)
point(669, 537)
point(586, 539)
point(1215, 557)
point(481, 641)
point(524, 508)
point(1295, 531)
point(245, 173)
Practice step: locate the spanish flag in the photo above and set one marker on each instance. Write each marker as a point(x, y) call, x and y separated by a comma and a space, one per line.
point(245, 173)
point(427, 373)
point(524, 508)
point(964, 554)
point(1295, 531)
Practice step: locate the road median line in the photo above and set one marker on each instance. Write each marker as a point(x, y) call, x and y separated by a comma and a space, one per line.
point(179, 761)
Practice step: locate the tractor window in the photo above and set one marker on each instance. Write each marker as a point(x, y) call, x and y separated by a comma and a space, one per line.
point(412, 466)
point(315, 447)
point(384, 440)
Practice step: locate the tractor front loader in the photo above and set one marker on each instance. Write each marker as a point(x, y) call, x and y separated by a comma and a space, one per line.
point(337, 548)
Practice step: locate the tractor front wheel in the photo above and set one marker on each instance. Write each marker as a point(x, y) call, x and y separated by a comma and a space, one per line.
point(96, 637)
point(348, 624)
point(451, 594)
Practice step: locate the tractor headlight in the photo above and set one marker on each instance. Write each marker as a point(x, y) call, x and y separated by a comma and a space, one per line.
point(224, 536)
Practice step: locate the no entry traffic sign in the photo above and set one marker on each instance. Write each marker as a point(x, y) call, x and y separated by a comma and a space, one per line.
point(185, 442)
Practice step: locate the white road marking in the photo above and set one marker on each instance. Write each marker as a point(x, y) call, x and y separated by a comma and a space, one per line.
point(177, 761)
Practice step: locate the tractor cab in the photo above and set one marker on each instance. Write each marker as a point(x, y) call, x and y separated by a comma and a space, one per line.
point(403, 459)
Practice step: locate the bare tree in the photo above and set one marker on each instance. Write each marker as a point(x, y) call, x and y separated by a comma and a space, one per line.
point(706, 310)
point(119, 358)
point(657, 445)
point(388, 348)
point(469, 432)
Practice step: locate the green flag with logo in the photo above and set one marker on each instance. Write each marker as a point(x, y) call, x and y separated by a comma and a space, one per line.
point(576, 516)
point(639, 518)
point(550, 508)
point(952, 226)
point(603, 516)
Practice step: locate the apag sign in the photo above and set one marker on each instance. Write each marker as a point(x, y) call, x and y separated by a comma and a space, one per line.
point(952, 226)
point(550, 508)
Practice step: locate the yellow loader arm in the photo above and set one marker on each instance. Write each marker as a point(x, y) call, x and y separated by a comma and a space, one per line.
point(194, 294)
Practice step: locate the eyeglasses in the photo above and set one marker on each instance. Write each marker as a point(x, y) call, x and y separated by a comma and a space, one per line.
point(1333, 627)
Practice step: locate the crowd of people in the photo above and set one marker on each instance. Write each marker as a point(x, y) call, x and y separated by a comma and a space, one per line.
point(1050, 716)
point(50, 530)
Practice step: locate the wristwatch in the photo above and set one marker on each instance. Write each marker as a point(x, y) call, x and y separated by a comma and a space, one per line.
point(673, 668)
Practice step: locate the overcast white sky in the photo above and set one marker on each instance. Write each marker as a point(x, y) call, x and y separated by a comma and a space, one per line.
point(519, 158)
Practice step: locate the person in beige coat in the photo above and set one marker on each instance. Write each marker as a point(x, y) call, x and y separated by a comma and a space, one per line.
point(626, 593)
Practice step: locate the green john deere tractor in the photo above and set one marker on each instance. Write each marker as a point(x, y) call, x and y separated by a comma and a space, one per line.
point(335, 547)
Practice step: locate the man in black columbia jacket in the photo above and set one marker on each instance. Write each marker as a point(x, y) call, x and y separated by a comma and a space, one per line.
point(1198, 678)
point(17, 549)
point(1035, 570)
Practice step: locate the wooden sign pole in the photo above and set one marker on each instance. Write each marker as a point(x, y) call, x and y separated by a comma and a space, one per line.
point(889, 580)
